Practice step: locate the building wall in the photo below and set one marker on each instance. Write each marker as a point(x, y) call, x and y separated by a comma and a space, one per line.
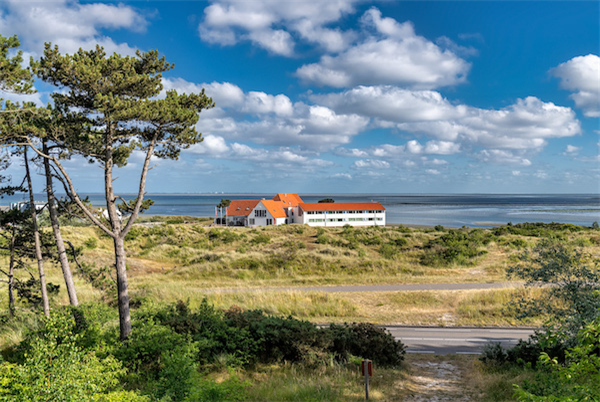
point(260, 216)
point(333, 218)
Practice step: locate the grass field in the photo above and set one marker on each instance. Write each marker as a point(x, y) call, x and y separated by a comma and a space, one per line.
point(177, 259)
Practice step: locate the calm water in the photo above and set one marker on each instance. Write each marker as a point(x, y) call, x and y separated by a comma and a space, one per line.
point(455, 210)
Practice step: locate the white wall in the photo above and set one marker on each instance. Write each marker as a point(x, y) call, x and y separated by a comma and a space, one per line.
point(318, 218)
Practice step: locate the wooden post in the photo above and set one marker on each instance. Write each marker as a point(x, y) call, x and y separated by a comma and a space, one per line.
point(367, 370)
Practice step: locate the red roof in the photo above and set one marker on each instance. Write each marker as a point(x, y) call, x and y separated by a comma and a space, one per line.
point(342, 206)
point(290, 199)
point(275, 208)
point(241, 207)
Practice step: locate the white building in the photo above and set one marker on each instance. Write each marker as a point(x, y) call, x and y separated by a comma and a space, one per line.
point(287, 208)
point(342, 213)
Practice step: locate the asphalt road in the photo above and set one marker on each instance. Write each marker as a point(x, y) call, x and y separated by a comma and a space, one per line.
point(460, 340)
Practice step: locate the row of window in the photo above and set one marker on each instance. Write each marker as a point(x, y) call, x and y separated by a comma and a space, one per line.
point(260, 213)
point(345, 220)
point(341, 212)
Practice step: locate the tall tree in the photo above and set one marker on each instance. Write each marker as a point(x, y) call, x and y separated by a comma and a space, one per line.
point(36, 236)
point(117, 97)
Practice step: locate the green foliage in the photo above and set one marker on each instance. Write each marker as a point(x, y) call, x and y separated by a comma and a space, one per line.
point(261, 238)
point(538, 229)
point(223, 236)
point(576, 380)
point(13, 77)
point(233, 389)
point(128, 207)
point(56, 368)
point(91, 242)
point(280, 339)
point(573, 278)
point(224, 203)
point(456, 246)
point(367, 341)
point(326, 200)
point(30, 291)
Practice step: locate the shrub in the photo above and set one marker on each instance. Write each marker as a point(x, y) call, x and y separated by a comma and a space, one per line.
point(456, 246)
point(261, 238)
point(389, 250)
point(280, 339)
point(367, 341)
point(91, 243)
point(56, 368)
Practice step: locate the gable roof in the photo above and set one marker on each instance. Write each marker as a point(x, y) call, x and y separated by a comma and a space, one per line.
point(289, 199)
point(275, 208)
point(342, 206)
point(241, 207)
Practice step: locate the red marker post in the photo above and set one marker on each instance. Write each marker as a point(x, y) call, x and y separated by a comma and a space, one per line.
point(367, 371)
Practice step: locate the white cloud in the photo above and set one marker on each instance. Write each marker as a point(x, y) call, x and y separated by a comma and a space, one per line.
point(502, 157)
point(526, 124)
point(516, 173)
point(572, 150)
point(346, 176)
point(371, 164)
point(212, 144)
point(581, 75)
point(274, 25)
point(432, 171)
point(393, 54)
point(68, 24)
point(445, 42)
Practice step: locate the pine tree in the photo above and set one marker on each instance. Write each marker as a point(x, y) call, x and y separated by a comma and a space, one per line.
point(116, 96)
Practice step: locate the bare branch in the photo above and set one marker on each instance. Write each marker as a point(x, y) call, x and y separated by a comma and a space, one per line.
point(73, 192)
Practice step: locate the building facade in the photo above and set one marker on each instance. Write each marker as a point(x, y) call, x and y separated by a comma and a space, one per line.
point(288, 208)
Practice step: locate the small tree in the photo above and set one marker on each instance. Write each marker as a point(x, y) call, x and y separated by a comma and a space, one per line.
point(224, 203)
point(115, 97)
point(327, 200)
point(570, 280)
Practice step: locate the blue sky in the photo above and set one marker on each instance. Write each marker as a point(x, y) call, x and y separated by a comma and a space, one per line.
point(355, 96)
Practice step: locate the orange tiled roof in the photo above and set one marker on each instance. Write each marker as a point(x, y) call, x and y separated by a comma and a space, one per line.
point(342, 206)
point(241, 207)
point(289, 199)
point(275, 208)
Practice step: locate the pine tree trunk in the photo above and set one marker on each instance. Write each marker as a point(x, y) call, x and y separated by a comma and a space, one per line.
point(60, 245)
point(119, 242)
point(11, 275)
point(36, 236)
point(123, 295)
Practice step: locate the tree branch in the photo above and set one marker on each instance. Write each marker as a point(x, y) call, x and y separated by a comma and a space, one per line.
point(73, 192)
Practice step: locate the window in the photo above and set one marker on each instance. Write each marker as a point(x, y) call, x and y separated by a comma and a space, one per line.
point(269, 221)
point(251, 221)
point(260, 213)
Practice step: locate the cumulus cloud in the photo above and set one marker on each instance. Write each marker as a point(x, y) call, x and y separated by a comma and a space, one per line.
point(68, 24)
point(526, 124)
point(211, 144)
point(270, 119)
point(392, 54)
point(432, 171)
point(581, 75)
point(276, 25)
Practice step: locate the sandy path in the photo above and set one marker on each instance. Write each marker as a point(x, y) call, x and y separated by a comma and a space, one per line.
point(439, 379)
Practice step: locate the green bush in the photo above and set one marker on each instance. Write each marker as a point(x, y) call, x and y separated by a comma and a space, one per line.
point(456, 246)
point(56, 368)
point(367, 341)
point(91, 243)
point(280, 339)
point(261, 238)
point(223, 236)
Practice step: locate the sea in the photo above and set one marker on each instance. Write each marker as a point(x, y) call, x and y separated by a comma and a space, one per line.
point(451, 210)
